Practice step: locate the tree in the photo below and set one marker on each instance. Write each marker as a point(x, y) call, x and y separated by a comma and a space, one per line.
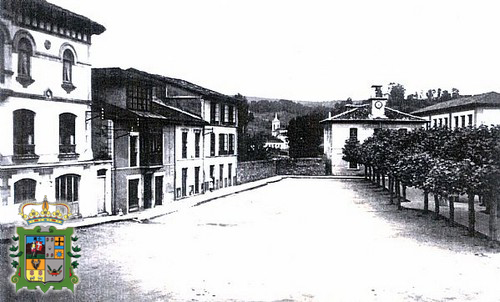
point(305, 135)
point(396, 96)
point(244, 117)
point(455, 94)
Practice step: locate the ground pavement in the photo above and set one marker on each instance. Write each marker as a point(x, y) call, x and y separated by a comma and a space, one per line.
point(293, 240)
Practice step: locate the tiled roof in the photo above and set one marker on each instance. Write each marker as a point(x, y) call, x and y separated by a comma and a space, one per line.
point(484, 99)
point(159, 112)
point(43, 9)
point(362, 113)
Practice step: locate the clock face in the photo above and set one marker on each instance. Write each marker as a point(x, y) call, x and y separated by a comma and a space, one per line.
point(378, 104)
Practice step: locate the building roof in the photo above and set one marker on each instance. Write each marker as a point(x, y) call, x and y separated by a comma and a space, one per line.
point(117, 74)
point(159, 113)
point(44, 10)
point(489, 99)
point(362, 113)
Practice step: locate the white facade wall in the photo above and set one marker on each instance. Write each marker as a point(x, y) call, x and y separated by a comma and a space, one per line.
point(336, 134)
point(190, 162)
point(220, 159)
point(480, 116)
point(46, 69)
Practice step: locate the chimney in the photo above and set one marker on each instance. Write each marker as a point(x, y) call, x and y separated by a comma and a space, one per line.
point(378, 103)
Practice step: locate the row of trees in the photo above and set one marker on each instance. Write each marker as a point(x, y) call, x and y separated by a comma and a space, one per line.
point(443, 162)
point(411, 102)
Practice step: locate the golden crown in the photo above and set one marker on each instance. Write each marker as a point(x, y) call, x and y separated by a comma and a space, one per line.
point(31, 213)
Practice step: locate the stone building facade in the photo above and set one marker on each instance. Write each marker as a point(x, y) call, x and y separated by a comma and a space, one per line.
point(45, 110)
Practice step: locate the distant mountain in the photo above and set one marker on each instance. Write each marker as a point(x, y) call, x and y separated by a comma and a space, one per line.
point(264, 110)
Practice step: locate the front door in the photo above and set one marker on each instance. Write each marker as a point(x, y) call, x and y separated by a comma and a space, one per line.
point(101, 195)
point(158, 190)
point(197, 180)
point(133, 194)
point(184, 181)
point(148, 195)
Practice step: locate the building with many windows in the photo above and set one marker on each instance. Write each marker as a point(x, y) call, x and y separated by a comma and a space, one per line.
point(45, 87)
point(476, 110)
point(153, 145)
point(359, 123)
point(219, 136)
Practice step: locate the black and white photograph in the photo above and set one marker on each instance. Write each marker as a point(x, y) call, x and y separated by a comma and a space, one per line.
point(245, 151)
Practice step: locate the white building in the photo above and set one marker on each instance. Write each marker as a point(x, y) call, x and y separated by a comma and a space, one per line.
point(476, 110)
point(279, 139)
point(360, 122)
point(45, 88)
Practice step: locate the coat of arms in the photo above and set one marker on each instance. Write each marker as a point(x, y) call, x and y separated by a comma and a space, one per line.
point(44, 253)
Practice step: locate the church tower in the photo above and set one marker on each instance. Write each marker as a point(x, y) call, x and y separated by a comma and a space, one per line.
point(275, 125)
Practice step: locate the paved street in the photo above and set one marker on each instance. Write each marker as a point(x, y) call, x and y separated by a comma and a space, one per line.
point(294, 240)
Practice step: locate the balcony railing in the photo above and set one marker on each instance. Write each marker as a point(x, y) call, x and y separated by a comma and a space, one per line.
point(24, 149)
point(67, 149)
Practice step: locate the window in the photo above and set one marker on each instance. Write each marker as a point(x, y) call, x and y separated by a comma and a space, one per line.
point(456, 121)
point(197, 144)
point(231, 143)
point(226, 113)
point(212, 144)
point(134, 150)
point(221, 144)
point(67, 133)
point(222, 113)
point(196, 180)
point(229, 172)
point(353, 165)
point(212, 112)
point(217, 111)
point(139, 97)
point(24, 190)
point(446, 122)
point(184, 144)
point(353, 133)
point(67, 187)
point(24, 132)
point(24, 58)
point(68, 61)
point(470, 119)
point(153, 147)
point(435, 123)
point(440, 122)
point(231, 114)
point(463, 120)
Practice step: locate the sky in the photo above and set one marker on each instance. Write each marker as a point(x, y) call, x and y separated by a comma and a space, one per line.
point(302, 50)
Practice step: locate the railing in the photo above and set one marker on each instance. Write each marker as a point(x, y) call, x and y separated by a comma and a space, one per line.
point(24, 149)
point(67, 148)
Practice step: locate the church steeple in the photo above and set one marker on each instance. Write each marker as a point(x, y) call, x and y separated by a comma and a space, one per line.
point(275, 125)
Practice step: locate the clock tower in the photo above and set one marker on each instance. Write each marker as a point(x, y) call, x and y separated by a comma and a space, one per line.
point(378, 103)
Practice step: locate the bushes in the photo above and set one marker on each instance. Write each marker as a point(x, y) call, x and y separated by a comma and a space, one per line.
point(440, 161)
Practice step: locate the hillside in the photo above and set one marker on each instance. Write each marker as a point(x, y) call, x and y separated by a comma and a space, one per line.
point(264, 109)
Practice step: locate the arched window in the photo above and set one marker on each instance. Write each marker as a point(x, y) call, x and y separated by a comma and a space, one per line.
point(67, 187)
point(24, 190)
point(68, 61)
point(24, 58)
point(67, 133)
point(24, 132)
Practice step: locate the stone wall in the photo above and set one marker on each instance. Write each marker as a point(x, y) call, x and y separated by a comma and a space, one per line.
point(255, 170)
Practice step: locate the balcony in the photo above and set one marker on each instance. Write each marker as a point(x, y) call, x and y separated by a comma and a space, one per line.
point(67, 152)
point(25, 152)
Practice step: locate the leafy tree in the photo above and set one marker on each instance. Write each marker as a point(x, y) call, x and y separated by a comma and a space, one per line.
point(396, 95)
point(305, 135)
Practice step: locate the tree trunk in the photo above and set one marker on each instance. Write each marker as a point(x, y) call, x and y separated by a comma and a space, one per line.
point(366, 172)
point(481, 201)
point(391, 190)
point(378, 179)
point(436, 206)
point(426, 202)
point(398, 194)
point(383, 182)
point(451, 202)
point(472, 214)
point(404, 193)
point(493, 226)
point(486, 203)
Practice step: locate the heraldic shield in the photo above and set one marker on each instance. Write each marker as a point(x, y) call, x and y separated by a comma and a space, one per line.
point(44, 252)
point(45, 261)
